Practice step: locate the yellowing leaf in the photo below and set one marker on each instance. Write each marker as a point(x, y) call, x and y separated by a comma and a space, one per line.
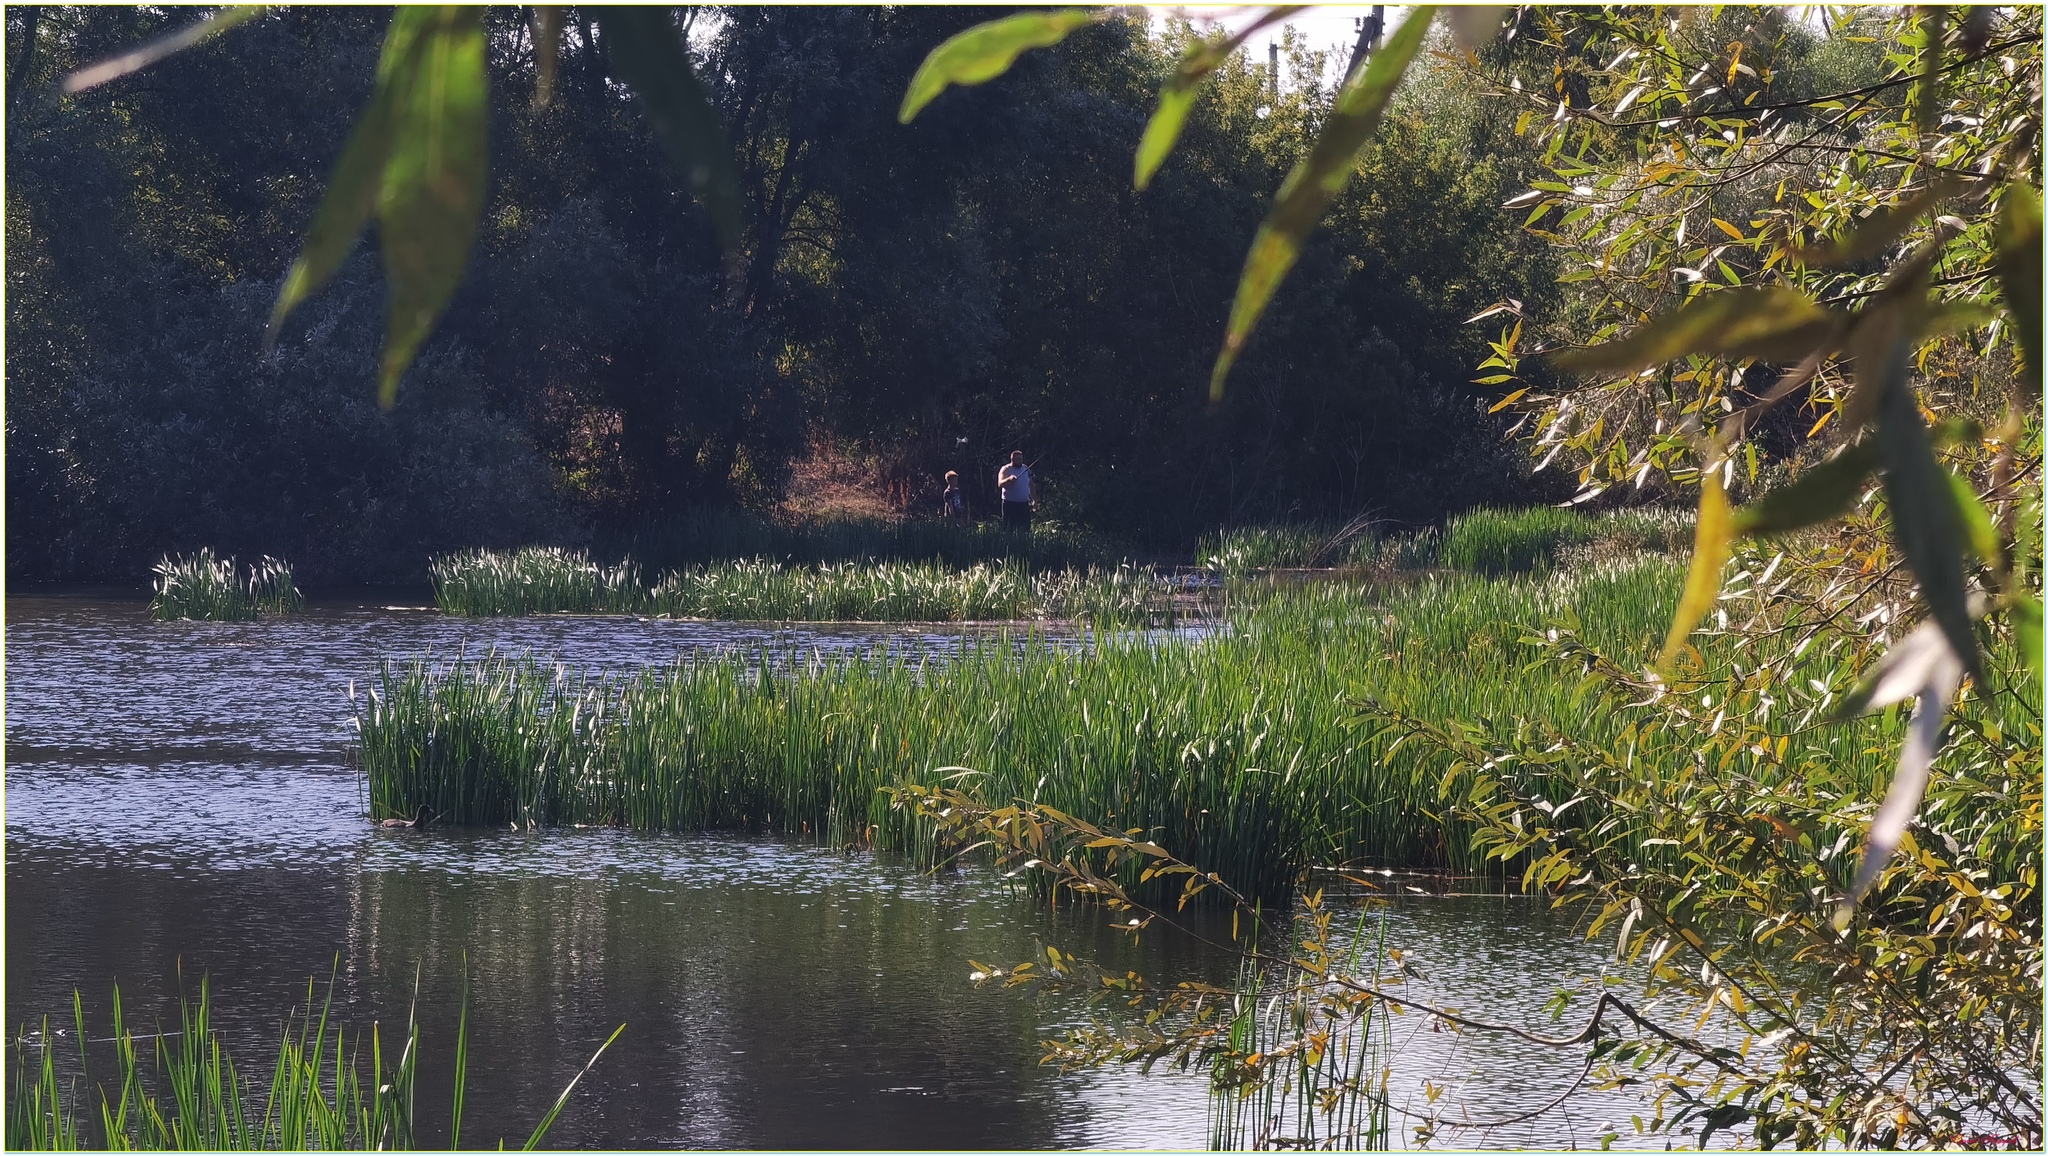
point(1709, 556)
point(986, 51)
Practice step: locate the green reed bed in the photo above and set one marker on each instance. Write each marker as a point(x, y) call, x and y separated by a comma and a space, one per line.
point(1481, 541)
point(535, 580)
point(201, 586)
point(177, 1088)
point(1243, 752)
point(548, 580)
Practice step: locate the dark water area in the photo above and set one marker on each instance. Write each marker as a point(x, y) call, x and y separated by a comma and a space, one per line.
point(178, 795)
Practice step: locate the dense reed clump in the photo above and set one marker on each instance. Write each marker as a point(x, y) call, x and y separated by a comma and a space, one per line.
point(191, 1096)
point(201, 586)
point(1480, 541)
point(548, 580)
point(1243, 752)
point(535, 580)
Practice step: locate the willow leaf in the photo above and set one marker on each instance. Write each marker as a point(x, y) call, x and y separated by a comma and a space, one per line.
point(2019, 268)
point(1872, 234)
point(986, 51)
point(115, 67)
point(433, 187)
point(648, 51)
point(1823, 493)
point(358, 181)
point(1709, 557)
point(1769, 323)
point(1177, 96)
point(1925, 522)
point(1313, 184)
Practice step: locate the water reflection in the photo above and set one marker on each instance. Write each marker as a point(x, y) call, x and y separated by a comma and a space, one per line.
point(180, 792)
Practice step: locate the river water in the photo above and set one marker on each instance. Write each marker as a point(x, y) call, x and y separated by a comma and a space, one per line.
point(178, 796)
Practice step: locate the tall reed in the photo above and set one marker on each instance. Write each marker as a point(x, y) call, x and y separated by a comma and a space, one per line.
point(190, 1095)
point(201, 586)
point(1242, 752)
point(535, 580)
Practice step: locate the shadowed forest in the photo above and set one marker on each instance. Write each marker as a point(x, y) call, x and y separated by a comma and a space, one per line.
point(912, 298)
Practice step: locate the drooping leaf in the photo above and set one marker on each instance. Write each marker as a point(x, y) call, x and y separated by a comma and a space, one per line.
point(355, 188)
point(1923, 508)
point(648, 50)
point(1825, 492)
point(1978, 529)
point(1177, 95)
point(1709, 557)
point(1314, 182)
point(115, 67)
point(433, 187)
point(986, 51)
point(1899, 674)
point(1175, 102)
point(1869, 236)
point(2026, 630)
point(2019, 269)
point(1909, 779)
point(1770, 323)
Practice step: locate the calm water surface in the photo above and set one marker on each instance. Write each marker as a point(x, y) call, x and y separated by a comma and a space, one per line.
point(178, 794)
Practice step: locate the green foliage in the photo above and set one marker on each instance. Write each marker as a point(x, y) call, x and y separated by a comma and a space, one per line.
point(985, 52)
point(201, 586)
point(192, 1097)
point(1717, 831)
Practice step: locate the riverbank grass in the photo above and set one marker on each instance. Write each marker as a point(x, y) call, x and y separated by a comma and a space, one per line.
point(202, 586)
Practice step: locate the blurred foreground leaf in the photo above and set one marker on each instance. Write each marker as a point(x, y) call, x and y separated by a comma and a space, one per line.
point(1314, 183)
point(1770, 323)
point(648, 51)
point(115, 67)
point(2019, 268)
point(986, 51)
point(417, 160)
point(1709, 556)
point(1177, 95)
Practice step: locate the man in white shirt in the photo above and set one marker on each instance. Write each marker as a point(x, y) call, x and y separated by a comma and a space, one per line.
point(1014, 480)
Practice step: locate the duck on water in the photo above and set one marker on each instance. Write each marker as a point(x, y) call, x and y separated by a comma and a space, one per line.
point(418, 820)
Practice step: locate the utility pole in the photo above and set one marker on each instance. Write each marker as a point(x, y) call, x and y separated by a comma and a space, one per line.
point(1273, 74)
point(1369, 29)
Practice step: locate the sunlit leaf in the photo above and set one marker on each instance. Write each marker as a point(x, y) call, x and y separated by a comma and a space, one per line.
point(1314, 183)
point(433, 186)
point(1177, 96)
point(1709, 557)
point(115, 67)
point(1175, 102)
point(2019, 268)
point(648, 51)
point(1923, 508)
point(1770, 323)
point(1821, 494)
point(1870, 236)
point(986, 51)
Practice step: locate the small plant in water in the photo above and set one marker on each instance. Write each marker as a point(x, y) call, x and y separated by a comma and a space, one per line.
point(204, 587)
point(191, 1095)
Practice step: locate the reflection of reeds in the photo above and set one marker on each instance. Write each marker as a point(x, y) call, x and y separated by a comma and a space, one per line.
point(202, 586)
point(1242, 751)
point(192, 1097)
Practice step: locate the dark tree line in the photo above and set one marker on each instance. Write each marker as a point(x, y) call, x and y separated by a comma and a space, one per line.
point(925, 296)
